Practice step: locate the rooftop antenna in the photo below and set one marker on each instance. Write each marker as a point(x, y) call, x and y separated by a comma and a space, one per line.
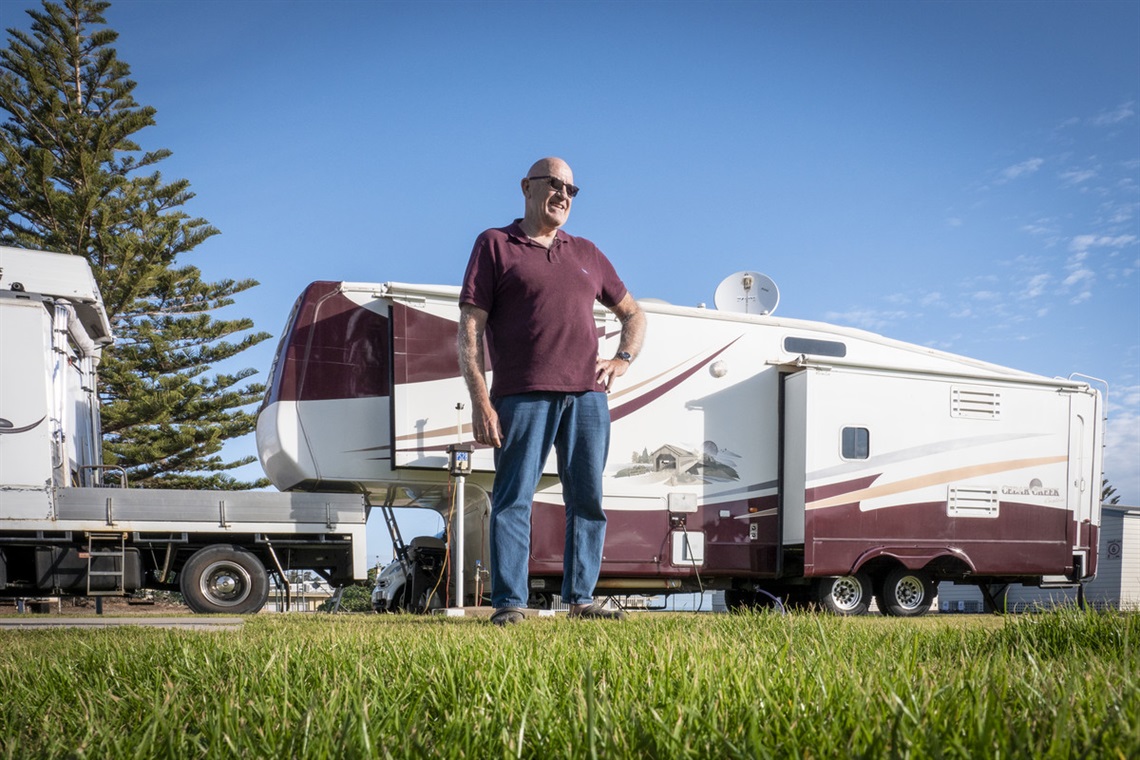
point(747, 293)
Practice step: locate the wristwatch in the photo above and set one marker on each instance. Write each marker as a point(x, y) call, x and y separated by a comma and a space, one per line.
point(624, 356)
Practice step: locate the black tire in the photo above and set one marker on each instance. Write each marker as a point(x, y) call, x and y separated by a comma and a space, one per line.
point(845, 595)
point(738, 599)
point(224, 579)
point(907, 593)
point(745, 599)
point(538, 601)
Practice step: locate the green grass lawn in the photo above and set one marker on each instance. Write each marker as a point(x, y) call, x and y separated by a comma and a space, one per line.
point(663, 685)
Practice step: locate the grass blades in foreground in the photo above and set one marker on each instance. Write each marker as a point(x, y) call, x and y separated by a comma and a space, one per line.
point(1057, 685)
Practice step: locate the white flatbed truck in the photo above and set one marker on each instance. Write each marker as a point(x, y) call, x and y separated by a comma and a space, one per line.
point(70, 526)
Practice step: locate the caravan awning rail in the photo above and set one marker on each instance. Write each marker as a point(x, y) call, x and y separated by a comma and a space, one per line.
point(803, 362)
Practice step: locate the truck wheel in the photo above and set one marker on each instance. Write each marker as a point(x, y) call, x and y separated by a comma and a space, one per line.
point(906, 593)
point(224, 579)
point(846, 595)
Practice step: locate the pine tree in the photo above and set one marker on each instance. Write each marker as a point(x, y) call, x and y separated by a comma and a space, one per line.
point(73, 180)
point(1108, 493)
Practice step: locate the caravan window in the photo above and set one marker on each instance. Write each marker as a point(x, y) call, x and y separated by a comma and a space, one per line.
point(815, 347)
point(856, 443)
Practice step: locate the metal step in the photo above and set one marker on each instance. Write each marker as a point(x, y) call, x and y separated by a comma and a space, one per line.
point(112, 546)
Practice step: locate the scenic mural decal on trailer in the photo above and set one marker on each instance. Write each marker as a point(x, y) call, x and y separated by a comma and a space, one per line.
point(673, 465)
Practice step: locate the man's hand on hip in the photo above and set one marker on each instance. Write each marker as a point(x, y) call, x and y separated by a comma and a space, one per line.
point(609, 370)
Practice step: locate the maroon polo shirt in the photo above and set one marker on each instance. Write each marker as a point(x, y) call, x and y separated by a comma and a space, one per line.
point(540, 330)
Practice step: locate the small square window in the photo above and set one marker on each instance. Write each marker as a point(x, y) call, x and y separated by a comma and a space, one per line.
point(856, 443)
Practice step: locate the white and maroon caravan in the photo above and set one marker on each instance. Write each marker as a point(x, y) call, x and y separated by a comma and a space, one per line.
point(750, 453)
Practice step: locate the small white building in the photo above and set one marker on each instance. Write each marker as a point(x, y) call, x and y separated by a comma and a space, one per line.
point(1116, 586)
point(304, 596)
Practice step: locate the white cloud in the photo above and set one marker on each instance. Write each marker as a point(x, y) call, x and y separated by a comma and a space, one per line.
point(1117, 212)
point(1122, 112)
point(1081, 297)
point(1077, 176)
point(867, 319)
point(931, 299)
point(1078, 276)
point(1025, 167)
point(1036, 285)
point(1085, 242)
point(1046, 229)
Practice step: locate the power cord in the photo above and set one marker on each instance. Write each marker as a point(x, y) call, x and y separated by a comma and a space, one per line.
point(451, 495)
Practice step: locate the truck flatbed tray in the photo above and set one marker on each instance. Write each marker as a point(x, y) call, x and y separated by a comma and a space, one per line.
point(111, 506)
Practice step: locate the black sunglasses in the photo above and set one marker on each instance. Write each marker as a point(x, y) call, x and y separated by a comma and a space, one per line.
point(558, 185)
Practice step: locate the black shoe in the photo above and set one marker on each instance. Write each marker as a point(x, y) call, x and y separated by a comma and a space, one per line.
point(505, 616)
point(597, 612)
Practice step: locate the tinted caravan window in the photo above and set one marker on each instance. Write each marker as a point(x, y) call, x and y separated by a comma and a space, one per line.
point(815, 347)
point(856, 443)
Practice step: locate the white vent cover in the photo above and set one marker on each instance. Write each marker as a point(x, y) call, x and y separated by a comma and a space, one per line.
point(972, 502)
point(975, 403)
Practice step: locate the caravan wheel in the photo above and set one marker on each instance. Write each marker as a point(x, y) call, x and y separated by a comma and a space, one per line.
point(846, 595)
point(907, 593)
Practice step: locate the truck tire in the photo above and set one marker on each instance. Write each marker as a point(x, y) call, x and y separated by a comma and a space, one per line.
point(845, 595)
point(906, 593)
point(224, 579)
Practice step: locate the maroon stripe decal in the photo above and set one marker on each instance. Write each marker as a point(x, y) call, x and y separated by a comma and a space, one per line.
point(835, 489)
point(646, 398)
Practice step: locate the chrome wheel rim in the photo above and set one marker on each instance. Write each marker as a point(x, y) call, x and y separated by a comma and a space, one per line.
point(847, 592)
point(910, 592)
point(226, 584)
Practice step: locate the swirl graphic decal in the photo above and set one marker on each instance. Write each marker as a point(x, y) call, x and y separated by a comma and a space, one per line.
point(7, 427)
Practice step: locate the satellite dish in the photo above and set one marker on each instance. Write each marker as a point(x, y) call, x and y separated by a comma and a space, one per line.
point(747, 293)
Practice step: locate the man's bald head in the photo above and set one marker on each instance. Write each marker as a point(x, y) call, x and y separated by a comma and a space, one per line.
point(554, 167)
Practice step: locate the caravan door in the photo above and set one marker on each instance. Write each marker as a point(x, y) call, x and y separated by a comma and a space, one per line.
point(1084, 483)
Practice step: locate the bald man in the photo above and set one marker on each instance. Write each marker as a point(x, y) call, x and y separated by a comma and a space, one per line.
point(531, 288)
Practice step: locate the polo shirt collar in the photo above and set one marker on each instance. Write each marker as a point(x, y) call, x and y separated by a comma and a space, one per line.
point(515, 231)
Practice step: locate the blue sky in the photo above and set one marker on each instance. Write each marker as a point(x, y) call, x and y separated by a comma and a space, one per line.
point(962, 175)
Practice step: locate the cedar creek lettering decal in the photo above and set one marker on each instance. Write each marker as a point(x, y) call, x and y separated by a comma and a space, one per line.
point(1035, 488)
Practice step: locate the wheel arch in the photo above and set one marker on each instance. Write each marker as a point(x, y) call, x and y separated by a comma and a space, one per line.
point(939, 562)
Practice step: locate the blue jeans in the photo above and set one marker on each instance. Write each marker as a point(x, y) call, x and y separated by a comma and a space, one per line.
point(577, 425)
